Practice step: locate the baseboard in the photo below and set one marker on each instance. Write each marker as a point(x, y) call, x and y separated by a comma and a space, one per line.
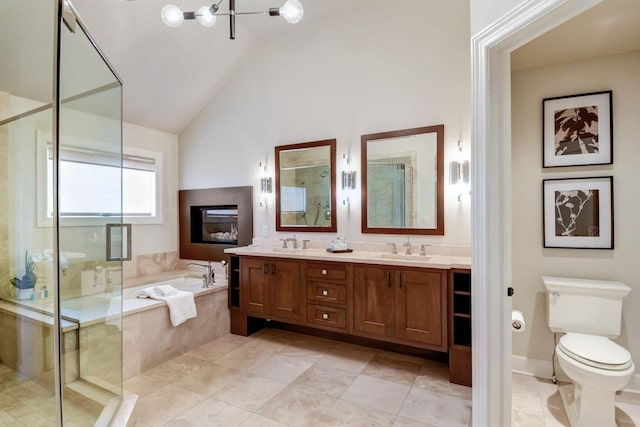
point(529, 366)
point(544, 368)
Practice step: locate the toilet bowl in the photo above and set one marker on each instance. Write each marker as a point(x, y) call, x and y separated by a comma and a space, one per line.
point(589, 313)
point(598, 368)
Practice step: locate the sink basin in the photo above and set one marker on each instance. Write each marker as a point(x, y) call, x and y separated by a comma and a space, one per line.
point(288, 250)
point(405, 257)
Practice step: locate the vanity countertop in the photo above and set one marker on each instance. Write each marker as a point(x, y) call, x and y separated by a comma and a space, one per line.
point(358, 256)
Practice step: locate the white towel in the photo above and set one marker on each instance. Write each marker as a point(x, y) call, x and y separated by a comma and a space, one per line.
point(182, 305)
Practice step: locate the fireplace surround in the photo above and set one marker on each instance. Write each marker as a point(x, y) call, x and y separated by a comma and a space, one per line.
point(214, 219)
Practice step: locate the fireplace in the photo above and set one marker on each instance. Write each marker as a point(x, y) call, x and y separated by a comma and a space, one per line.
point(214, 219)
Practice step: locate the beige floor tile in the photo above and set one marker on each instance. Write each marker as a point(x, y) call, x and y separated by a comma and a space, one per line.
point(434, 376)
point(524, 419)
point(388, 366)
point(249, 355)
point(408, 422)
point(348, 358)
point(142, 424)
point(210, 413)
point(348, 414)
point(209, 379)
point(216, 349)
point(165, 404)
point(325, 379)
point(437, 409)
point(627, 414)
point(298, 407)
point(282, 368)
point(308, 348)
point(375, 393)
point(256, 420)
point(143, 384)
point(177, 368)
point(249, 392)
point(525, 395)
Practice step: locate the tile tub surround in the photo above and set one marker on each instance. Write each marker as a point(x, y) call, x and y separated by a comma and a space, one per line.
point(149, 339)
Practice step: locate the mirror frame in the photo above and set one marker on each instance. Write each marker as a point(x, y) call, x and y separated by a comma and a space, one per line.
point(331, 143)
point(439, 228)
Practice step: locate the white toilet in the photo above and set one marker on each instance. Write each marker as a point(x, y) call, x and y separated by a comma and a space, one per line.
point(589, 312)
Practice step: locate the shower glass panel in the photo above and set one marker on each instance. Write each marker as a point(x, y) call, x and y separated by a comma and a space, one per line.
point(27, 327)
point(89, 198)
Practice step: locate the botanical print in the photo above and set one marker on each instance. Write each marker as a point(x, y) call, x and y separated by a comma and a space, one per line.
point(576, 130)
point(577, 213)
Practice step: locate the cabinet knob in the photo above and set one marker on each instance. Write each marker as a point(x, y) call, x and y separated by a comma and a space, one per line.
point(324, 272)
point(325, 292)
point(325, 316)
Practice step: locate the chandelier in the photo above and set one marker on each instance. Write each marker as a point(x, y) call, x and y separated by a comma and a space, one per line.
point(172, 16)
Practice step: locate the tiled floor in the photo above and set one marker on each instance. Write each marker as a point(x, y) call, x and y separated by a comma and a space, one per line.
point(26, 403)
point(537, 403)
point(277, 378)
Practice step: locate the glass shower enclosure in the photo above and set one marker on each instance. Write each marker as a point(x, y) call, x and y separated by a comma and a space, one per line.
point(60, 190)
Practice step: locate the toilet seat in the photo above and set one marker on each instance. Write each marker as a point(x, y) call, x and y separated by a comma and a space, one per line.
point(595, 351)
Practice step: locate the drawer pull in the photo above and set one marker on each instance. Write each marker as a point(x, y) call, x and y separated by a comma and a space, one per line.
point(324, 272)
point(325, 292)
point(325, 316)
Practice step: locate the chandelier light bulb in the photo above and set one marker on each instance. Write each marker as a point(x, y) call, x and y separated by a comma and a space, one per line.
point(172, 16)
point(292, 11)
point(205, 17)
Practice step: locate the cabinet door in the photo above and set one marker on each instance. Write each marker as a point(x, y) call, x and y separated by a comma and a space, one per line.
point(254, 285)
point(373, 301)
point(419, 307)
point(286, 295)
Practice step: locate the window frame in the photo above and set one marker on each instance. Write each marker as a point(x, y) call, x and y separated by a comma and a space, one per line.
point(44, 138)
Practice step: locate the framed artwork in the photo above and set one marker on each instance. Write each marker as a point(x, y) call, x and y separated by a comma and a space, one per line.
point(577, 130)
point(578, 213)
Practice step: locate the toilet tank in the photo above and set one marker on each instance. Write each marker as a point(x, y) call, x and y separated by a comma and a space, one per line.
point(585, 306)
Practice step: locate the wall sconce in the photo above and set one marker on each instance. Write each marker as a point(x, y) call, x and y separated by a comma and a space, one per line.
point(348, 178)
point(266, 184)
point(459, 172)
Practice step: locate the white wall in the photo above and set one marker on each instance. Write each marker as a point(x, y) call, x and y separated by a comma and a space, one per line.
point(364, 71)
point(157, 238)
point(621, 74)
point(486, 12)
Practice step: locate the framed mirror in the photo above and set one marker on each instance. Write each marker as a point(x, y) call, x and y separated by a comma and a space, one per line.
point(306, 187)
point(403, 181)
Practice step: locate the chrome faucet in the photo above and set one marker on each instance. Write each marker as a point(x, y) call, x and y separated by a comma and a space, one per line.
point(208, 277)
point(407, 244)
point(294, 240)
point(423, 249)
point(305, 244)
point(394, 248)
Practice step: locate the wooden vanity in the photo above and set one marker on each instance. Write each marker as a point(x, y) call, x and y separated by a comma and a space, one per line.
point(385, 300)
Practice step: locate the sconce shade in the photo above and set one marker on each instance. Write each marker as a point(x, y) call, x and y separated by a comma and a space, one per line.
point(172, 16)
point(459, 172)
point(292, 11)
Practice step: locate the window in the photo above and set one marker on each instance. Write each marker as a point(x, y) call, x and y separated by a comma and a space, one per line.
point(85, 173)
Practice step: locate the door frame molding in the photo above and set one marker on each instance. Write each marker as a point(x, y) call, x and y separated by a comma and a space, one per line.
point(491, 201)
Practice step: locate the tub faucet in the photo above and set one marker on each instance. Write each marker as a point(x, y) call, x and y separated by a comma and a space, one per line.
point(207, 278)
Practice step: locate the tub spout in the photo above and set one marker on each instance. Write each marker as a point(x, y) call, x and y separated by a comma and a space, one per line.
point(208, 276)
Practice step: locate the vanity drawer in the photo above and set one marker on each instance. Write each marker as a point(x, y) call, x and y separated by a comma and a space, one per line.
point(327, 271)
point(327, 316)
point(326, 292)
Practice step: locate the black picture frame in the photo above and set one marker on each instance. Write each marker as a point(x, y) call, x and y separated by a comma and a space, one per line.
point(577, 130)
point(578, 213)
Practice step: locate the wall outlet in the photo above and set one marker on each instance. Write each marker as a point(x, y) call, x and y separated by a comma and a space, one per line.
point(265, 231)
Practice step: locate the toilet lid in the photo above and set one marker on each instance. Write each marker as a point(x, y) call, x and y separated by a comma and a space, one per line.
point(599, 352)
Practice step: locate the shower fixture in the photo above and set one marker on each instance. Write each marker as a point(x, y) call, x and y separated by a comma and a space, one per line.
point(172, 16)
